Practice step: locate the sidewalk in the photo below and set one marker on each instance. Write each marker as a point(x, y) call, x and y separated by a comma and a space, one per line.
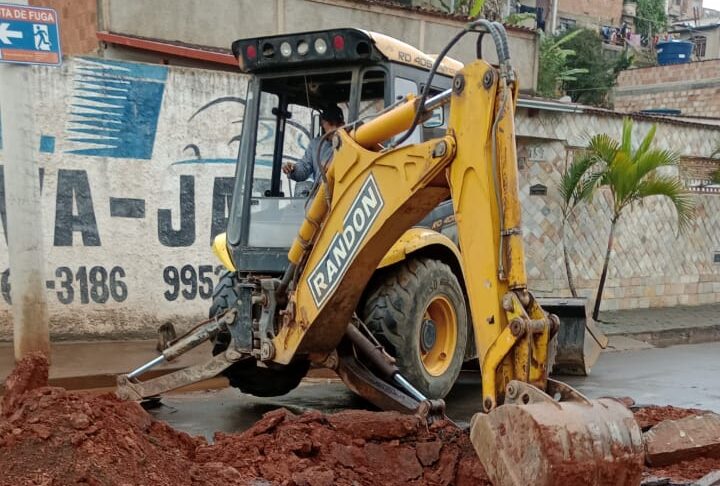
point(665, 326)
point(95, 364)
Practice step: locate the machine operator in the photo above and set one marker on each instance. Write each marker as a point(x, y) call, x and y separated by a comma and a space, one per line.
point(331, 118)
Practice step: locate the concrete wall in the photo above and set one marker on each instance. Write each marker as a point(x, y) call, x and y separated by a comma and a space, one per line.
point(127, 223)
point(693, 88)
point(684, 10)
point(591, 13)
point(125, 218)
point(587, 13)
point(220, 22)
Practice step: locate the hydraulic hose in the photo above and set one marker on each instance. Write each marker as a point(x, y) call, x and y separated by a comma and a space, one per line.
point(499, 37)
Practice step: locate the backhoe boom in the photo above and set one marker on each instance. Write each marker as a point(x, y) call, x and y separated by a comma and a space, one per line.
point(371, 197)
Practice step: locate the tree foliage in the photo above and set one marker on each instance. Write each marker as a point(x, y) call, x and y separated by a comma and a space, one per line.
point(602, 68)
point(651, 17)
point(555, 65)
point(631, 174)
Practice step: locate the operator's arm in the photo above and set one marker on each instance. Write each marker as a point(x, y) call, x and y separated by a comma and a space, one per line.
point(305, 167)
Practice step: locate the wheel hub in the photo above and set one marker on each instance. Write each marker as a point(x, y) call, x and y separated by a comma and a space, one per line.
point(428, 335)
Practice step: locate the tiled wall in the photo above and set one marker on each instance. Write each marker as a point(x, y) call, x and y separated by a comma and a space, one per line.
point(651, 265)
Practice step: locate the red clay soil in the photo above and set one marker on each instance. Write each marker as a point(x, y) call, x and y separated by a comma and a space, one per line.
point(647, 417)
point(686, 471)
point(51, 437)
point(682, 472)
point(352, 447)
point(30, 373)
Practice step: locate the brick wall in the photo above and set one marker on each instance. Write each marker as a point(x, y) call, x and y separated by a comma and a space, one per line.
point(693, 88)
point(78, 24)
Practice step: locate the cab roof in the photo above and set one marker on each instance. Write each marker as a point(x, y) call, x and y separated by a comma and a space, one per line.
point(330, 47)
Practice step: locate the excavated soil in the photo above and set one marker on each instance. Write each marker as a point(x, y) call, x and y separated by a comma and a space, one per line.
point(686, 471)
point(648, 417)
point(682, 472)
point(52, 437)
point(49, 436)
point(352, 447)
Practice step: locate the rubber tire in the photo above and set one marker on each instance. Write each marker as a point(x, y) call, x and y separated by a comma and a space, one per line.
point(393, 311)
point(246, 375)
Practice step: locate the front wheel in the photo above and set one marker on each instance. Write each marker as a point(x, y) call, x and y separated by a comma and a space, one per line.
point(417, 311)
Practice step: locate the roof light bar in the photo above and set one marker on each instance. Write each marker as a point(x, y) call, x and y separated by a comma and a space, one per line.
point(287, 50)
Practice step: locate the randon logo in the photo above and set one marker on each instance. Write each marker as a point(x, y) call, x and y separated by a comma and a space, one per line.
point(357, 223)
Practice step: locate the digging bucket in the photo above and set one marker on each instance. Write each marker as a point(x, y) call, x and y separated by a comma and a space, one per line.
point(579, 341)
point(568, 442)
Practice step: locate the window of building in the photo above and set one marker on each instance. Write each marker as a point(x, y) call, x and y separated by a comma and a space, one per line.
point(700, 42)
point(567, 24)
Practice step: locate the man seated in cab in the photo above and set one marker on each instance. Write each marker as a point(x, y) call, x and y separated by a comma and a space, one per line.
point(331, 119)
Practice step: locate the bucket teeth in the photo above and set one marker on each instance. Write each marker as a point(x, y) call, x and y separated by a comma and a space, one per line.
point(561, 443)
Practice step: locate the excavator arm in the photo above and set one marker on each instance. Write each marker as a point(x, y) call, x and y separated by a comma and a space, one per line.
point(372, 196)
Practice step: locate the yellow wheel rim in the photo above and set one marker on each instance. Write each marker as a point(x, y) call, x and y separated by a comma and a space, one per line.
point(438, 354)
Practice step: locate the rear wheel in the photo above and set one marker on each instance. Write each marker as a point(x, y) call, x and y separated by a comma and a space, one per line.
point(246, 375)
point(417, 311)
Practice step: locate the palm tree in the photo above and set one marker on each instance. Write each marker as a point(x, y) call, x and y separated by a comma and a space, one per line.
point(630, 175)
point(576, 186)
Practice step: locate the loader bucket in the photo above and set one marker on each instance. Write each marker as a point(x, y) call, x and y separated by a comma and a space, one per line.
point(579, 341)
point(588, 443)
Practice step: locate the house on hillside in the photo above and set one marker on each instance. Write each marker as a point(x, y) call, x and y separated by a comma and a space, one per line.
point(704, 33)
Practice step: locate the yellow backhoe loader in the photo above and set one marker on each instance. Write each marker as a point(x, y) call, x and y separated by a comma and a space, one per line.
point(332, 307)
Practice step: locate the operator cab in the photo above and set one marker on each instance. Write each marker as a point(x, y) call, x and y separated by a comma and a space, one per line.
point(293, 78)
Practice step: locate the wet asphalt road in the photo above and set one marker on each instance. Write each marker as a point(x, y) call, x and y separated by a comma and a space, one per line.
point(685, 376)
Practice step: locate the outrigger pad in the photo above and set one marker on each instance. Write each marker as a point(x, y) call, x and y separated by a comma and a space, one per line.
point(560, 443)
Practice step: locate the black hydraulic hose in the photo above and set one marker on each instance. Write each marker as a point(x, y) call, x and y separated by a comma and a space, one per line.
point(503, 56)
point(426, 89)
point(503, 41)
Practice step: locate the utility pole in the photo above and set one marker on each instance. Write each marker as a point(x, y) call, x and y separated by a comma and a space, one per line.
point(24, 213)
point(553, 16)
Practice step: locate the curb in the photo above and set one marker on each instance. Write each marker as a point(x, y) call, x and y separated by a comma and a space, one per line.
point(89, 382)
point(670, 337)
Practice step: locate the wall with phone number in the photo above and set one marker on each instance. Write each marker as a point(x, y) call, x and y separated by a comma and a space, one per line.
point(136, 170)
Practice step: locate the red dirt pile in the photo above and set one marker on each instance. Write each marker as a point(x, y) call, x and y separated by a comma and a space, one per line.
point(352, 447)
point(30, 373)
point(684, 472)
point(51, 437)
point(647, 417)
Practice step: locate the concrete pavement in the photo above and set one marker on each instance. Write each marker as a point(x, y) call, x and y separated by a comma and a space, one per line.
point(684, 376)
